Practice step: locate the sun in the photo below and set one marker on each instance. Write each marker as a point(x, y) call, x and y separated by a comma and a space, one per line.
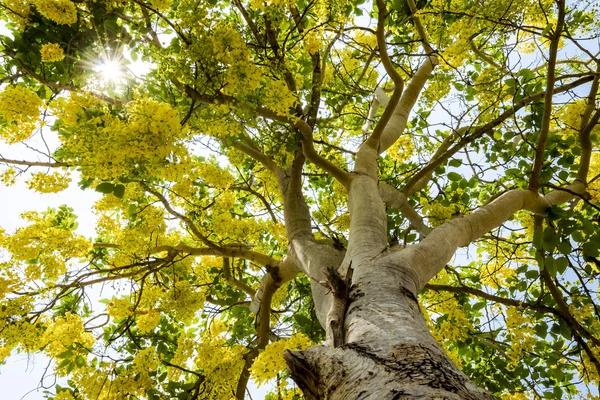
point(110, 71)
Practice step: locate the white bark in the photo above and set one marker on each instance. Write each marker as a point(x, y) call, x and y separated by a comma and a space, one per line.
point(431, 255)
point(397, 123)
point(389, 352)
point(380, 98)
point(310, 257)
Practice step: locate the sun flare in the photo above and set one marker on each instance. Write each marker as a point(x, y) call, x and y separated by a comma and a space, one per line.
point(110, 71)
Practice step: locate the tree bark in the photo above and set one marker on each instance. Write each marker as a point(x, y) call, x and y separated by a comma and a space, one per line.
point(389, 352)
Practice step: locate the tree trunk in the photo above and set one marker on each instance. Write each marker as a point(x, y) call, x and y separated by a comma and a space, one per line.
point(389, 352)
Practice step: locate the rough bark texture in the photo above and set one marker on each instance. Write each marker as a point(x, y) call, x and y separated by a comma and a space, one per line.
point(389, 352)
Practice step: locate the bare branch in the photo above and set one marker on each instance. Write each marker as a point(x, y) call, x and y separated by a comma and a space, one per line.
point(541, 145)
point(54, 164)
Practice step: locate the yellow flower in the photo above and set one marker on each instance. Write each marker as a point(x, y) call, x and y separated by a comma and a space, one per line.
point(48, 183)
point(20, 107)
point(63, 12)
point(19, 104)
point(52, 52)
point(8, 177)
point(270, 362)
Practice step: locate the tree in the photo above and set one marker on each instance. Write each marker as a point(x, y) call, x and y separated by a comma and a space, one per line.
point(290, 184)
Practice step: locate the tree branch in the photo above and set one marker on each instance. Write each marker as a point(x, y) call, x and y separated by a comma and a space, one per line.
point(545, 127)
point(188, 222)
point(437, 249)
point(398, 200)
point(55, 164)
point(484, 129)
point(494, 298)
point(313, 156)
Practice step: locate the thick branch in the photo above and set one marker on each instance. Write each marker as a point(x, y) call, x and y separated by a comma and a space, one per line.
point(420, 30)
point(399, 118)
point(271, 282)
point(431, 255)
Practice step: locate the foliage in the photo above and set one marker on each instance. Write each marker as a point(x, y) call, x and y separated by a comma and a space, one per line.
point(191, 160)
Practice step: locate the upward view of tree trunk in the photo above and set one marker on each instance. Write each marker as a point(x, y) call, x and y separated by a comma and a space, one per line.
point(389, 201)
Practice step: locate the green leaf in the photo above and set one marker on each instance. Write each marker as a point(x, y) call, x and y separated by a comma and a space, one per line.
point(532, 274)
point(590, 249)
point(80, 361)
point(105, 187)
point(455, 162)
point(119, 191)
point(564, 247)
point(453, 176)
point(547, 29)
point(561, 264)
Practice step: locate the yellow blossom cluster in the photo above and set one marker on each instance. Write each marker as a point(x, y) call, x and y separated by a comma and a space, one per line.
point(520, 331)
point(8, 177)
point(106, 146)
point(264, 5)
point(587, 370)
point(279, 98)
point(20, 108)
point(436, 89)
point(570, 117)
point(437, 213)
point(270, 362)
point(52, 52)
point(66, 333)
point(18, 11)
point(48, 182)
point(148, 320)
point(4, 353)
point(497, 260)
point(456, 325)
point(161, 5)
point(228, 48)
point(366, 38)
point(313, 41)
point(221, 364)
point(63, 12)
point(402, 149)
point(16, 330)
point(104, 380)
point(141, 236)
point(455, 55)
point(119, 308)
point(516, 396)
point(215, 176)
point(495, 272)
point(44, 246)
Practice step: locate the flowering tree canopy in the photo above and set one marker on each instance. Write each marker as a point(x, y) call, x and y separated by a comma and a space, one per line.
point(396, 200)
